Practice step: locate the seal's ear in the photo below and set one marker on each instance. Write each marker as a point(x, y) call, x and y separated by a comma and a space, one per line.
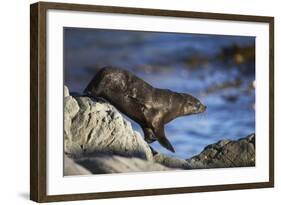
point(165, 143)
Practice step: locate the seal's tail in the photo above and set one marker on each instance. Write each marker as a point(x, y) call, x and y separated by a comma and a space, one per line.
point(165, 143)
point(96, 82)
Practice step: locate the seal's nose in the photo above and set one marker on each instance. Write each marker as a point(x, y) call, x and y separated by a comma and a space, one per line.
point(202, 108)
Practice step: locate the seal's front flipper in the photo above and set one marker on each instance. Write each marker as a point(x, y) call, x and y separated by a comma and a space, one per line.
point(162, 139)
point(165, 143)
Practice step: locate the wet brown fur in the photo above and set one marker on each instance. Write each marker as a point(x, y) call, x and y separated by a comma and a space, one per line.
point(150, 107)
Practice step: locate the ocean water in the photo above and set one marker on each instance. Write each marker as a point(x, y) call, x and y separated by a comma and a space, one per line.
point(210, 67)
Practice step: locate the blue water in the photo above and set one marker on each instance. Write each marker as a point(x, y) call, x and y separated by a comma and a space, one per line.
point(160, 59)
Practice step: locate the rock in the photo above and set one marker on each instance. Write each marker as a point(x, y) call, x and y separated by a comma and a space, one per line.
point(72, 168)
point(226, 153)
point(65, 91)
point(96, 126)
point(99, 140)
point(108, 164)
point(171, 162)
point(71, 108)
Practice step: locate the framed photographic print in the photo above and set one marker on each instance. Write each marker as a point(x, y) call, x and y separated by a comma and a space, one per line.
point(134, 102)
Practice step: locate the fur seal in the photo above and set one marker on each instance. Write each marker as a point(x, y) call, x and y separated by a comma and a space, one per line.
point(150, 107)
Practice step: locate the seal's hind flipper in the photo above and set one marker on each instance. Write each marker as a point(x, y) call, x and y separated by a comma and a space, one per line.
point(165, 143)
point(149, 136)
point(154, 152)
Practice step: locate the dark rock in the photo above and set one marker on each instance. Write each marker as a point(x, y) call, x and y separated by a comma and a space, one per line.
point(226, 153)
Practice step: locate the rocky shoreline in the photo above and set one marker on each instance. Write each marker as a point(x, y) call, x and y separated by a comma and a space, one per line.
point(98, 140)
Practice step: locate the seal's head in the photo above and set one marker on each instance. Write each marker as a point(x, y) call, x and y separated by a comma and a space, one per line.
point(192, 105)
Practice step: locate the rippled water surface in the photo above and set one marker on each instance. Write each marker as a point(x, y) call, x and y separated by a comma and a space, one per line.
point(219, 70)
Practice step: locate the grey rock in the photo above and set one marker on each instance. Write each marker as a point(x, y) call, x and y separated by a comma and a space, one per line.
point(71, 108)
point(65, 91)
point(96, 126)
point(226, 153)
point(171, 162)
point(72, 168)
point(108, 164)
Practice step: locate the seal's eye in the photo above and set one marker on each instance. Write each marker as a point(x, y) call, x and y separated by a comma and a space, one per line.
point(198, 104)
